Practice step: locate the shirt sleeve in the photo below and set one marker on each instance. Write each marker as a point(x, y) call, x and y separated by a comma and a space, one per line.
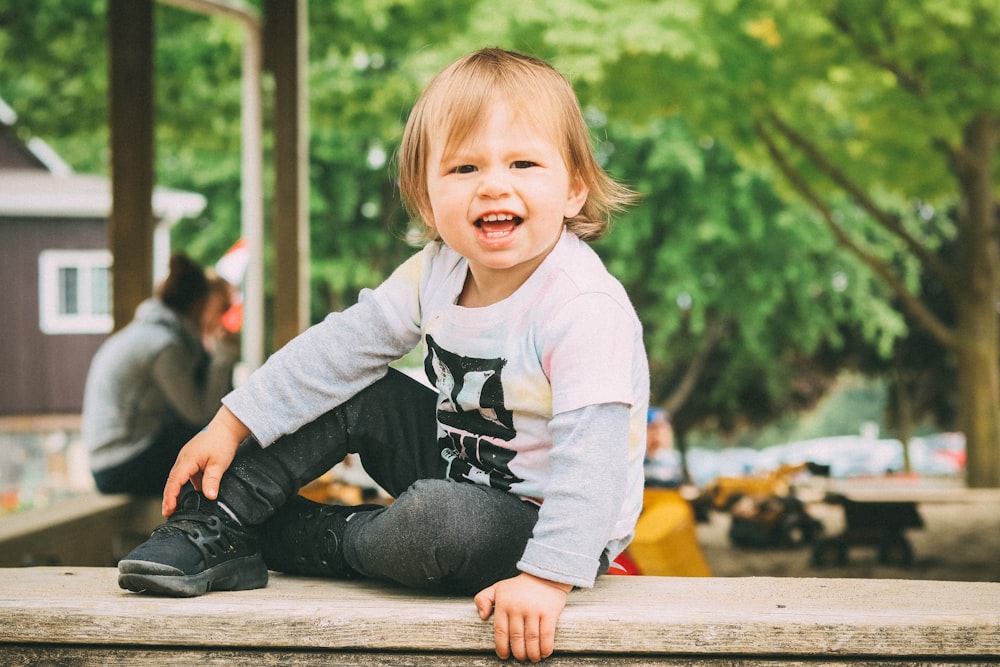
point(589, 351)
point(332, 361)
point(584, 495)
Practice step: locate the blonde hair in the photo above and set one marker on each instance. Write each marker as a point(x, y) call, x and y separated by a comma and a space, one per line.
point(457, 100)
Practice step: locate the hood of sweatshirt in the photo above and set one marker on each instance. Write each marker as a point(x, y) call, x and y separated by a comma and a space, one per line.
point(154, 312)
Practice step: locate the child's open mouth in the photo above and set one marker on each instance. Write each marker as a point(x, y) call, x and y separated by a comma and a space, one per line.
point(498, 225)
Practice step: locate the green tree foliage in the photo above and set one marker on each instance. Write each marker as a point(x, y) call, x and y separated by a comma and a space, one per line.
point(737, 289)
point(53, 73)
point(863, 109)
point(867, 113)
point(361, 88)
point(197, 80)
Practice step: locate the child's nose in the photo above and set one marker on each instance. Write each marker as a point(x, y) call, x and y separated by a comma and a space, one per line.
point(494, 183)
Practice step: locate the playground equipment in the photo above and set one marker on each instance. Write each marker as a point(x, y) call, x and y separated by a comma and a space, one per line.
point(665, 542)
point(763, 507)
point(871, 523)
point(724, 492)
point(772, 521)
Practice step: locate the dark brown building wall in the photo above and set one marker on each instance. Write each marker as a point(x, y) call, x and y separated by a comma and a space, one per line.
point(13, 154)
point(40, 373)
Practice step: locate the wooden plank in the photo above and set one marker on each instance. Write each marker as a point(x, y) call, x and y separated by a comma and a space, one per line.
point(85, 529)
point(30, 423)
point(708, 617)
point(31, 656)
point(917, 491)
point(59, 513)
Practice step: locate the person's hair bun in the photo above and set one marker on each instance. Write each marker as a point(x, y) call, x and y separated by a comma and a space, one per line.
point(186, 285)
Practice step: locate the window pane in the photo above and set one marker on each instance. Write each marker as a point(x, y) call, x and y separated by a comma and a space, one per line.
point(68, 294)
point(100, 286)
point(74, 289)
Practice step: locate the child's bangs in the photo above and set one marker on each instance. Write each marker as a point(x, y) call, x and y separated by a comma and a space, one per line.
point(469, 100)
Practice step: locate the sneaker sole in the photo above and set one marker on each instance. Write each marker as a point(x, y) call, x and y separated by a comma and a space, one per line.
point(240, 574)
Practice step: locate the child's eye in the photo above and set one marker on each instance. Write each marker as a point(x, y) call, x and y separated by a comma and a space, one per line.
point(464, 169)
point(523, 164)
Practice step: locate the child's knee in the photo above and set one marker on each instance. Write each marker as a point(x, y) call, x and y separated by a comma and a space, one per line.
point(442, 533)
point(466, 517)
point(433, 510)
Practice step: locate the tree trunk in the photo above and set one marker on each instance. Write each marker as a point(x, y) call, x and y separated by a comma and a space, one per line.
point(905, 409)
point(978, 326)
point(978, 399)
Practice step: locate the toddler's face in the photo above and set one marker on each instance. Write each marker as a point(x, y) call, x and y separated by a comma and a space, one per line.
point(500, 197)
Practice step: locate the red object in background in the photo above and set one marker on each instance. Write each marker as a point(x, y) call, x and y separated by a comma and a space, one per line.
point(233, 267)
point(624, 565)
point(232, 319)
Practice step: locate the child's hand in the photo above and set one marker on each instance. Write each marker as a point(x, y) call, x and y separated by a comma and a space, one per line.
point(204, 458)
point(525, 609)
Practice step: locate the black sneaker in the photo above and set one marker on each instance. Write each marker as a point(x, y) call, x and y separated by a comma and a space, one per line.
point(306, 537)
point(194, 552)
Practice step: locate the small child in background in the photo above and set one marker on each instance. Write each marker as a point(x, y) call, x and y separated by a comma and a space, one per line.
point(663, 462)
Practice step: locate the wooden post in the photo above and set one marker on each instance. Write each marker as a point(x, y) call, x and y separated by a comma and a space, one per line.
point(130, 103)
point(286, 44)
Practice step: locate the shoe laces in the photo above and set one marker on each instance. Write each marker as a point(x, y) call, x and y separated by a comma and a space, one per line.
point(205, 531)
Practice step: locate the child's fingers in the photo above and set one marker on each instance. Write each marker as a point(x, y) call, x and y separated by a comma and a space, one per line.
point(178, 476)
point(547, 639)
point(484, 602)
point(501, 636)
point(185, 469)
point(210, 480)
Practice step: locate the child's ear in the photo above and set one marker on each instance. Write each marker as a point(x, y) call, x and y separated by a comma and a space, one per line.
point(576, 198)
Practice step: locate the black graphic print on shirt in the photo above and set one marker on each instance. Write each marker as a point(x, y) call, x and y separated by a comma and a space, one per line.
point(472, 415)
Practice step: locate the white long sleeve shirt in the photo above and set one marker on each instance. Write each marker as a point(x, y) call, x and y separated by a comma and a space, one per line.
point(543, 394)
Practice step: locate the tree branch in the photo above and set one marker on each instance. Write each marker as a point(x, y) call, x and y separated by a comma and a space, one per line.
point(712, 335)
point(887, 220)
point(924, 316)
point(909, 82)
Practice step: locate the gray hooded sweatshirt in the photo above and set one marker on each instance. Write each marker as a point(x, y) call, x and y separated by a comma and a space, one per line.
point(152, 373)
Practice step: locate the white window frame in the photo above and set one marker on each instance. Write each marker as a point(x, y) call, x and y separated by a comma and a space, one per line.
point(51, 319)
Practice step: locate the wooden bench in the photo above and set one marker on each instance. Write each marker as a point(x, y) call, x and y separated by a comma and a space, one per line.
point(80, 616)
point(83, 529)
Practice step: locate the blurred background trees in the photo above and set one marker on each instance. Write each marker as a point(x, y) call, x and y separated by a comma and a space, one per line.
point(818, 181)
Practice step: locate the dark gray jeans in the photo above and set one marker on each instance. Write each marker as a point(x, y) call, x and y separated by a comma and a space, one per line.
point(438, 533)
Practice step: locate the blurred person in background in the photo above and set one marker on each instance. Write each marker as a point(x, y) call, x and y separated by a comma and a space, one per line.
point(663, 463)
point(158, 381)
